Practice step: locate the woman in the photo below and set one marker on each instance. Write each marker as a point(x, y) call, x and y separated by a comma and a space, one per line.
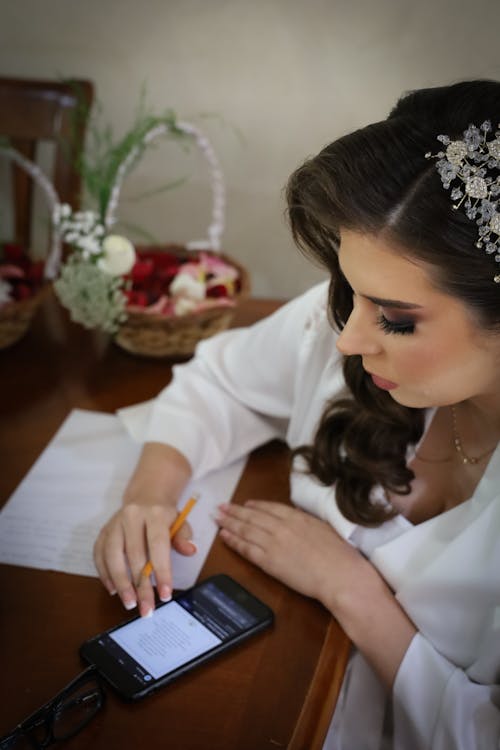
point(394, 423)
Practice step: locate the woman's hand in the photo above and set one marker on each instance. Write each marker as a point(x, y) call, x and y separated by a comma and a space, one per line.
point(308, 555)
point(139, 531)
point(299, 549)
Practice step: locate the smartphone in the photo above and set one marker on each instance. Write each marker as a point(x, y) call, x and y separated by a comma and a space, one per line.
point(146, 653)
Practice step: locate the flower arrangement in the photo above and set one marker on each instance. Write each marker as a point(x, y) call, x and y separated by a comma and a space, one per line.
point(155, 301)
point(91, 281)
point(104, 278)
point(162, 282)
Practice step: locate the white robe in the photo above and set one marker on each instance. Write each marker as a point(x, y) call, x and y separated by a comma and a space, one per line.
point(247, 386)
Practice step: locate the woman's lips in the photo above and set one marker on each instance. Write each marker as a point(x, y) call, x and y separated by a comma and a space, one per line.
point(386, 385)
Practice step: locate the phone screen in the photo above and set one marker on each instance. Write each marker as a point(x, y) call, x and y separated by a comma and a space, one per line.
point(147, 652)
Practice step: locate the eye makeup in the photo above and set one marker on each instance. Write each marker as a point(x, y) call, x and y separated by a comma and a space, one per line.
point(395, 326)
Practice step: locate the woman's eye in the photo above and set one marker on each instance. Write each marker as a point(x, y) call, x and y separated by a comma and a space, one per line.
point(395, 326)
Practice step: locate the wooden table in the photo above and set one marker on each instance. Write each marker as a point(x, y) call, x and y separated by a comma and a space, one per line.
point(277, 691)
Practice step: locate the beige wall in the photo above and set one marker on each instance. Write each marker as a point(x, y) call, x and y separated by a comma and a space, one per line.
point(284, 77)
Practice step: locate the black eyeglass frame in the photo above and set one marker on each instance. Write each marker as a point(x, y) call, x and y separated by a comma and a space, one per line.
point(47, 714)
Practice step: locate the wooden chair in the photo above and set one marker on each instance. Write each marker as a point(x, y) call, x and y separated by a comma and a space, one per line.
point(32, 111)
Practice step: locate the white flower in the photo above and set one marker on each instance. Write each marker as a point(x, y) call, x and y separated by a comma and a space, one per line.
point(5, 292)
point(118, 255)
point(184, 305)
point(94, 299)
point(184, 285)
point(89, 245)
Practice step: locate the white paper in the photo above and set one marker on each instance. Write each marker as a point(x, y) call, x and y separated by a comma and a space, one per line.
point(52, 519)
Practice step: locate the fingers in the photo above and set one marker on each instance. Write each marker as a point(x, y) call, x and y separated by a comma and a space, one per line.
point(276, 510)
point(249, 529)
point(134, 536)
point(262, 513)
point(111, 563)
point(183, 540)
point(145, 595)
point(158, 548)
point(158, 545)
point(123, 548)
point(135, 525)
point(285, 542)
point(250, 548)
point(266, 533)
point(101, 566)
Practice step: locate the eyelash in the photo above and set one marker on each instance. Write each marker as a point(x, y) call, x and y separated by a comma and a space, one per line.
point(404, 327)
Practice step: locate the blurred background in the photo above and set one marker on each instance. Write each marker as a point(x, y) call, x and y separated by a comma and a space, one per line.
point(270, 82)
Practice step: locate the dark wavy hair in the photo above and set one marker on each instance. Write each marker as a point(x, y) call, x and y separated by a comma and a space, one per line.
point(377, 180)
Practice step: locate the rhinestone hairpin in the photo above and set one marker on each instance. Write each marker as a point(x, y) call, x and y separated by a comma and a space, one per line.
point(475, 162)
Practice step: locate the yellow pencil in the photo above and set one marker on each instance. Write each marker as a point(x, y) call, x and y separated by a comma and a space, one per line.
point(148, 568)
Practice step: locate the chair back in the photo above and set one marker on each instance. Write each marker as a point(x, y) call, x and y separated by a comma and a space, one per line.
point(35, 111)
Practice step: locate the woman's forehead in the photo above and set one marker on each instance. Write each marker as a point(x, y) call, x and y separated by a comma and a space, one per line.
point(375, 267)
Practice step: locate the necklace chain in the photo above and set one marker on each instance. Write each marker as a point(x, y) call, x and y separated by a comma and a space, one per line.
point(457, 442)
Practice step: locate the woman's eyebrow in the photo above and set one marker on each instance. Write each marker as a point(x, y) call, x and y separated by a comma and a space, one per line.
point(392, 303)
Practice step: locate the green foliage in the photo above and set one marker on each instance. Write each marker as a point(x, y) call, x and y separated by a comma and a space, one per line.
point(94, 299)
point(100, 161)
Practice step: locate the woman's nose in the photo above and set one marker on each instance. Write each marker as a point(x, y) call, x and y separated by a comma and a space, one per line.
point(359, 335)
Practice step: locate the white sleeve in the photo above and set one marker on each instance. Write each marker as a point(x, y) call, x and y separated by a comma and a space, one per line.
point(437, 707)
point(237, 392)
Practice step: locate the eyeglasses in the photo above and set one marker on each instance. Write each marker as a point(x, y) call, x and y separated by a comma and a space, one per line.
point(62, 717)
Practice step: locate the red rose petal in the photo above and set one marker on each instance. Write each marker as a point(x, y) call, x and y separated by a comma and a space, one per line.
point(13, 252)
point(142, 270)
point(218, 290)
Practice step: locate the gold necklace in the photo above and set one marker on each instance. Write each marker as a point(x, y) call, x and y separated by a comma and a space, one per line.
point(457, 442)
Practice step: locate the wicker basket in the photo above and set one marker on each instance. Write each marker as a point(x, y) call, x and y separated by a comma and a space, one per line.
point(175, 337)
point(16, 317)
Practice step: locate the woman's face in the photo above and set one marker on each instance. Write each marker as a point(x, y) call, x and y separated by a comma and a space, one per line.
point(416, 342)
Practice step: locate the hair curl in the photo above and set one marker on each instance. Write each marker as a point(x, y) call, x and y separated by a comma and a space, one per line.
point(377, 180)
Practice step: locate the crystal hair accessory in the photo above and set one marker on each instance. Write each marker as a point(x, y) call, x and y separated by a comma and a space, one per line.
point(473, 166)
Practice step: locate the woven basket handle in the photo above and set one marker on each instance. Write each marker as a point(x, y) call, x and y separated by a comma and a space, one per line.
point(216, 227)
point(54, 257)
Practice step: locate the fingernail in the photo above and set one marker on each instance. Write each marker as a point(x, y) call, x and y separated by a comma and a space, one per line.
point(194, 548)
point(165, 593)
point(112, 592)
point(148, 613)
point(130, 604)
point(220, 515)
